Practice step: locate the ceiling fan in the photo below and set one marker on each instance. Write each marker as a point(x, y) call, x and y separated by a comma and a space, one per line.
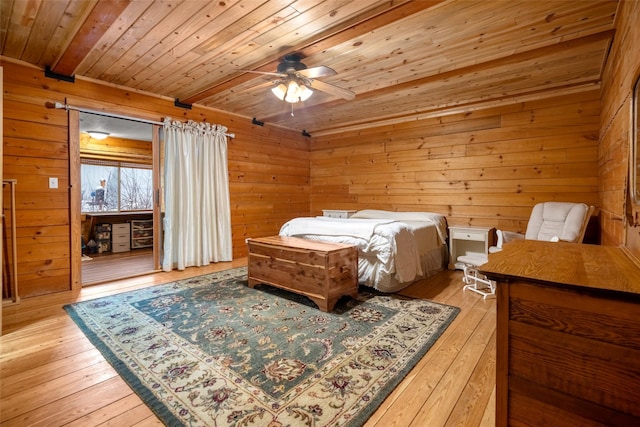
point(296, 82)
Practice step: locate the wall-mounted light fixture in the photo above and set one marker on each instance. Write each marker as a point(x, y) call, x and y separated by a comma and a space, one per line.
point(97, 134)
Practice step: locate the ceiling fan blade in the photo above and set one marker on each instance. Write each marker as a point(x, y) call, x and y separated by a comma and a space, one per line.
point(315, 72)
point(332, 89)
point(266, 73)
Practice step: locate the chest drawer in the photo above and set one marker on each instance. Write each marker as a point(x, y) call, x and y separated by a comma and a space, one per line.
point(120, 237)
point(121, 232)
point(121, 246)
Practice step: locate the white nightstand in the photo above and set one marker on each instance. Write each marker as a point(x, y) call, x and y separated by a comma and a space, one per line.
point(468, 241)
point(337, 213)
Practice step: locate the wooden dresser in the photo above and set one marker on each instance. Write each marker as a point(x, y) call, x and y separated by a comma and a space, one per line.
point(568, 335)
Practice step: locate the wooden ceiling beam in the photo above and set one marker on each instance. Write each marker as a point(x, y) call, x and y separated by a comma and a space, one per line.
point(101, 17)
point(495, 63)
point(352, 28)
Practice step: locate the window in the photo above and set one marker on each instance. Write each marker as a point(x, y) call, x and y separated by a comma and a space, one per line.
point(113, 186)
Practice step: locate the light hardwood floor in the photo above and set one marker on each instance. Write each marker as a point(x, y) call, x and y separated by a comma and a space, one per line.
point(106, 268)
point(51, 375)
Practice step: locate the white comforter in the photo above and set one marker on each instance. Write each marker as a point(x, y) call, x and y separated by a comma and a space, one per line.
point(386, 247)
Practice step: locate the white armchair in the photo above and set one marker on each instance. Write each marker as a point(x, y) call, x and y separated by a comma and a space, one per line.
point(549, 221)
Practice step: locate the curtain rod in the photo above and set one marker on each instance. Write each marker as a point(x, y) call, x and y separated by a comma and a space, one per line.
point(68, 107)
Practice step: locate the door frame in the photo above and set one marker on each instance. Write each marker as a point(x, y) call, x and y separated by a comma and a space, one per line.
point(74, 200)
point(75, 205)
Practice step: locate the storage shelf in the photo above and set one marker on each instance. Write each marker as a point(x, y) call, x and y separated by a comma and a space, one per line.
point(141, 234)
point(102, 237)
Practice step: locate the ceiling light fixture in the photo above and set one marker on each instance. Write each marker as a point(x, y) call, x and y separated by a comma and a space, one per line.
point(97, 134)
point(292, 90)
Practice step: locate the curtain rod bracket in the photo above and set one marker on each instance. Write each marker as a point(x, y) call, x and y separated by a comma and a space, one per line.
point(179, 104)
point(58, 76)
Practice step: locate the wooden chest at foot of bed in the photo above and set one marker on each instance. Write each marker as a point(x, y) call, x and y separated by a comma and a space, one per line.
point(321, 271)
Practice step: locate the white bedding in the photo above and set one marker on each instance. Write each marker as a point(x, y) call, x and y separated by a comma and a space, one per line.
point(394, 248)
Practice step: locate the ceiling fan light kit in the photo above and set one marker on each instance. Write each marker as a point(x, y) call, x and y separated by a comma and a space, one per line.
point(297, 82)
point(292, 92)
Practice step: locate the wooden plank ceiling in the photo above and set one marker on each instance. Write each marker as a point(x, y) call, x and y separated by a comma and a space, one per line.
point(403, 59)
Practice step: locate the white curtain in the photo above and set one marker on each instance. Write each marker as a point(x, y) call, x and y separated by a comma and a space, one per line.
point(197, 221)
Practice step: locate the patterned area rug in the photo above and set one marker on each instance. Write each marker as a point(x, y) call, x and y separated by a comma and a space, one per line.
point(212, 351)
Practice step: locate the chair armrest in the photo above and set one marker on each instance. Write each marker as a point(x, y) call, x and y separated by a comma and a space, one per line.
point(508, 236)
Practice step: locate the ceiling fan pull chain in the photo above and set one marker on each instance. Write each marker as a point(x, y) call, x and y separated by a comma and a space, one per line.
point(291, 110)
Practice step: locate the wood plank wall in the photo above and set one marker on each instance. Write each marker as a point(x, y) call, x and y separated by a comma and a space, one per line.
point(484, 168)
point(623, 67)
point(268, 168)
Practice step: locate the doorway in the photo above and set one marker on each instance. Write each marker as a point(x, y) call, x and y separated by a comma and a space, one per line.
point(118, 177)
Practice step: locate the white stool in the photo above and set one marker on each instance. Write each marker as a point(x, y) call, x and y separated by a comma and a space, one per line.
point(473, 279)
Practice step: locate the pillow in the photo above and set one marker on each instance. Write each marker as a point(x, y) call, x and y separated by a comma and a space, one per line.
point(439, 220)
point(398, 216)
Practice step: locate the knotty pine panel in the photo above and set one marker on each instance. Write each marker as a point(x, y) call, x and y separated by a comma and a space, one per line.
point(400, 133)
point(620, 72)
point(30, 148)
point(415, 161)
point(24, 112)
point(241, 176)
point(268, 167)
point(483, 168)
point(36, 131)
point(513, 174)
point(36, 149)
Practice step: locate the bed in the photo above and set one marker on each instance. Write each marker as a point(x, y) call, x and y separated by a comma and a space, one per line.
point(395, 249)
